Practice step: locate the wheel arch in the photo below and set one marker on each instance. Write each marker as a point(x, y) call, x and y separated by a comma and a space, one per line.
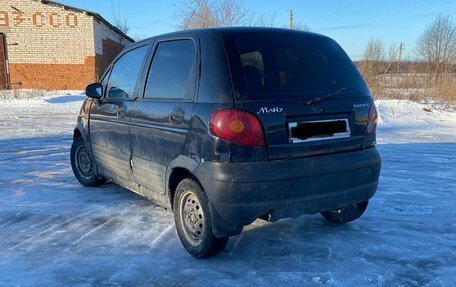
point(180, 168)
point(79, 131)
point(76, 133)
point(184, 167)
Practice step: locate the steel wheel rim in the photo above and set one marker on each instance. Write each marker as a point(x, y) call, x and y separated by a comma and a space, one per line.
point(83, 161)
point(191, 217)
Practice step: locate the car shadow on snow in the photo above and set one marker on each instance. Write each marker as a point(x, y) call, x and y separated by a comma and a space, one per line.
point(411, 212)
point(405, 232)
point(66, 99)
point(414, 175)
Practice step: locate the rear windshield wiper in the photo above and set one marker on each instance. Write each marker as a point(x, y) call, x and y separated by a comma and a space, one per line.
point(318, 99)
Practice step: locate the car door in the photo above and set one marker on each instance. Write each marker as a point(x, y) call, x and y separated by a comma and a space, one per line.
point(109, 120)
point(160, 119)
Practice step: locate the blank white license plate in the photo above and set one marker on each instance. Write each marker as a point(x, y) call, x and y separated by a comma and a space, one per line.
point(307, 131)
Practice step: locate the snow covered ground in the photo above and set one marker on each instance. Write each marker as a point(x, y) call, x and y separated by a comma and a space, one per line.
point(54, 232)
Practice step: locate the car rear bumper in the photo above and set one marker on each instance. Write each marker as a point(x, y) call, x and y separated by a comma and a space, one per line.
point(241, 192)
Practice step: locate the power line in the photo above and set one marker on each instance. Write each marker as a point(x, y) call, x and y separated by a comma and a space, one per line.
point(398, 51)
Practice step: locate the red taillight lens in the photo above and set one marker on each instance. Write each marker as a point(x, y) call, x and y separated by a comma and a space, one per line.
point(237, 126)
point(372, 120)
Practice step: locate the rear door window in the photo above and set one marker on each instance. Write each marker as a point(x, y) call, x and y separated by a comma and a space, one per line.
point(124, 74)
point(172, 73)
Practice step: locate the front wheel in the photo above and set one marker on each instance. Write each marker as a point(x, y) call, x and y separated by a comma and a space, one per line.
point(346, 214)
point(193, 221)
point(82, 164)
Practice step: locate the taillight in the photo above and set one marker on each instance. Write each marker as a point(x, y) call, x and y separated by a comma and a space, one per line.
point(237, 126)
point(372, 120)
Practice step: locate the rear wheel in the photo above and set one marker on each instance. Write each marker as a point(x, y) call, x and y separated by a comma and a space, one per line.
point(346, 214)
point(193, 221)
point(82, 164)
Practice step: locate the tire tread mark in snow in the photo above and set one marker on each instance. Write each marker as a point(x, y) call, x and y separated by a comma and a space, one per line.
point(6, 220)
point(36, 155)
point(49, 229)
point(96, 228)
point(34, 150)
point(159, 238)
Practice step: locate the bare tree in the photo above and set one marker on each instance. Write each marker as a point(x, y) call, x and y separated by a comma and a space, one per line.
point(196, 14)
point(232, 13)
point(372, 64)
point(375, 51)
point(373, 58)
point(270, 20)
point(298, 26)
point(118, 18)
point(391, 55)
point(437, 46)
point(264, 20)
point(192, 14)
point(301, 26)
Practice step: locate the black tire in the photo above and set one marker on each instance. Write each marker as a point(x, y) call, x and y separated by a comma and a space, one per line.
point(346, 214)
point(82, 164)
point(193, 221)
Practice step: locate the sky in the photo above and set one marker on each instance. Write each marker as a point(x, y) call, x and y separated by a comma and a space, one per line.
point(352, 23)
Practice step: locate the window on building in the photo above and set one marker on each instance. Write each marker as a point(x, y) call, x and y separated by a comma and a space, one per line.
point(125, 73)
point(172, 73)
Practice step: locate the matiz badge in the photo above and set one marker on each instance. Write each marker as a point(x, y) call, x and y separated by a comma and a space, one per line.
point(266, 110)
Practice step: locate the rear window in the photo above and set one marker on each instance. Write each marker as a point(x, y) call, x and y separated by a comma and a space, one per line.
point(290, 66)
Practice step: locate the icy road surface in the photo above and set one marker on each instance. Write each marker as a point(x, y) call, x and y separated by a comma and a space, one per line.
point(54, 232)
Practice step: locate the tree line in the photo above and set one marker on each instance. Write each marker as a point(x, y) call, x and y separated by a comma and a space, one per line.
point(194, 14)
point(429, 75)
point(435, 53)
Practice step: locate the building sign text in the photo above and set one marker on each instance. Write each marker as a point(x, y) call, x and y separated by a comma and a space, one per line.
point(38, 19)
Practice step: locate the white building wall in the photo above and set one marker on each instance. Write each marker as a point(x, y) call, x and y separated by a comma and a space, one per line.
point(103, 32)
point(46, 33)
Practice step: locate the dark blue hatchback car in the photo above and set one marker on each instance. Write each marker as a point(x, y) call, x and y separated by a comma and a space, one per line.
point(224, 126)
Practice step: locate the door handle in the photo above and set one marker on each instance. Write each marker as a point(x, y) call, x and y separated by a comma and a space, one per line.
point(177, 117)
point(121, 112)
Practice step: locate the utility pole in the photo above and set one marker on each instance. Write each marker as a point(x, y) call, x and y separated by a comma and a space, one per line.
point(401, 48)
point(291, 19)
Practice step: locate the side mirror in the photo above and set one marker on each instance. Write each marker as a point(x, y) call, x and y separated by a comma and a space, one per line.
point(94, 90)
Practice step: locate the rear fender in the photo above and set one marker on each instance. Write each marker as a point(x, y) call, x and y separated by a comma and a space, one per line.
point(219, 227)
point(181, 162)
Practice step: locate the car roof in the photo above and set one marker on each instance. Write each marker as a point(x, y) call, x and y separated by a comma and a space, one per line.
point(234, 30)
point(242, 30)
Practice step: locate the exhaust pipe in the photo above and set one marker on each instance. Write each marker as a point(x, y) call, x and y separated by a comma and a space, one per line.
point(266, 217)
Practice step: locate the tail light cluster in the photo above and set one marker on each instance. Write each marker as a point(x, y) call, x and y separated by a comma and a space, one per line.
point(237, 126)
point(372, 119)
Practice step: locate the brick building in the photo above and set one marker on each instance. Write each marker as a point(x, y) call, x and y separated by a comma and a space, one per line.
point(48, 45)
